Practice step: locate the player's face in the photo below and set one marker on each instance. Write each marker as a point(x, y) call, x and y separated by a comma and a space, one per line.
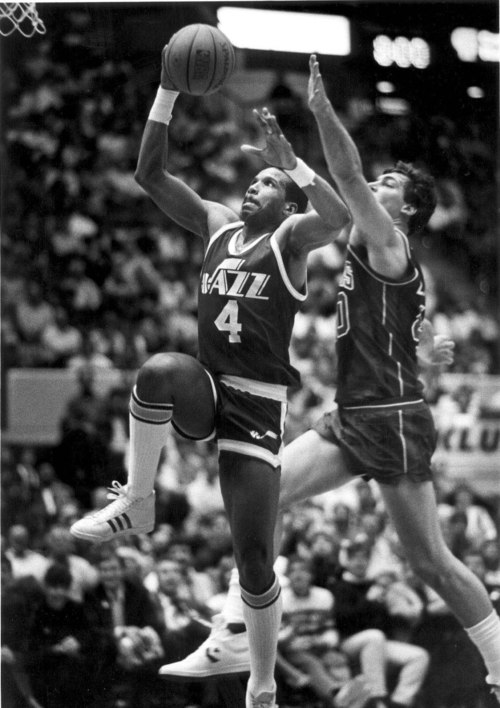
point(389, 191)
point(265, 197)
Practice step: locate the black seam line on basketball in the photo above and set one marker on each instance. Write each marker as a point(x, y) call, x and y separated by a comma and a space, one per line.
point(152, 406)
point(215, 61)
point(127, 519)
point(110, 522)
point(119, 523)
point(151, 422)
point(188, 63)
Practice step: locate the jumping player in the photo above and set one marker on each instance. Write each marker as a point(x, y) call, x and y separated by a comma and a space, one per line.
point(382, 428)
point(252, 282)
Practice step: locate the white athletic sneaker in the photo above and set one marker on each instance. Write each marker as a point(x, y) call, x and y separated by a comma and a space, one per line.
point(266, 699)
point(123, 516)
point(220, 654)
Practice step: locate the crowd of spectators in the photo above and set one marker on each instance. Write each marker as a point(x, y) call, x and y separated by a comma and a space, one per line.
point(90, 625)
point(94, 276)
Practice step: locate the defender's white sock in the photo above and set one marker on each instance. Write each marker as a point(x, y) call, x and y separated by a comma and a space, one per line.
point(148, 434)
point(486, 636)
point(262, 615)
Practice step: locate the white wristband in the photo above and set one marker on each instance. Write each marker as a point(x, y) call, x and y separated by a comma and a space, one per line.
point(161, 110)
point(302, 175)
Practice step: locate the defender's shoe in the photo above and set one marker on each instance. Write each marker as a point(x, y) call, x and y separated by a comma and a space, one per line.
point(266, 699)
point(122, 517)
point(220, 654)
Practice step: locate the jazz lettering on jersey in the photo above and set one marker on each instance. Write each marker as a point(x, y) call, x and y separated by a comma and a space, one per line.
point(229, 279)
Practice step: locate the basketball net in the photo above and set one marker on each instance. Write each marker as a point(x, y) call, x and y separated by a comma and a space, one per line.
point(22, 16)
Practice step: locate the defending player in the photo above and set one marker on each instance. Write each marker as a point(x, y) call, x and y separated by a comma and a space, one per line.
point(252, 282)
point(382, 428)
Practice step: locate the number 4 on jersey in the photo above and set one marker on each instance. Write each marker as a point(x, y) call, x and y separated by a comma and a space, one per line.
point(227, 321)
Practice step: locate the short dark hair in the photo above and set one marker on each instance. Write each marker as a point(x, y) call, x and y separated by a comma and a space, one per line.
point(293, 193)
point(420, 192)
point(58, 576)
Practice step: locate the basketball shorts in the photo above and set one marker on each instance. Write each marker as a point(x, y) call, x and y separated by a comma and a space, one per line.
point(250, 417)
point(383, 443)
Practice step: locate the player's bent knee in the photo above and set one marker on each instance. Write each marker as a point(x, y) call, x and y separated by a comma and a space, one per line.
point(159, 376)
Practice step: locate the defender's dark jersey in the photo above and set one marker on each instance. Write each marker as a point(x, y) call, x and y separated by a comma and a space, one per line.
point(377, 333)
point(246, 309)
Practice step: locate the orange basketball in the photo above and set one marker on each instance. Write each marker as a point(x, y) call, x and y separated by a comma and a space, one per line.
point(199, 59)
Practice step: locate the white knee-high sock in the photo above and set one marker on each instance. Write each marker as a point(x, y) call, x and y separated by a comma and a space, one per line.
point(263, 620)
point(486, 636)
point(233, 604)
point(148, 434)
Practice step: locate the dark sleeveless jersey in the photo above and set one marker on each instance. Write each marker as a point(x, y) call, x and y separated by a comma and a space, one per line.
point(378, 323)
point(246, 309)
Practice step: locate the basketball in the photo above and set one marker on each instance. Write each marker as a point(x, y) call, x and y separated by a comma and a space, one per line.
point(199, 59)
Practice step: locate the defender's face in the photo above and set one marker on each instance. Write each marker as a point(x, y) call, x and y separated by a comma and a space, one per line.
point(265, 195)
point(389, 191)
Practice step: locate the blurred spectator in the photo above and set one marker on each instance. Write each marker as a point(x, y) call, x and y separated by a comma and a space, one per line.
point(60, 339)
point(307, 638)
point(32, 314)
point(363, 622)
point(60, 548)
point(24, 561)
point(18, 602)
point(60, 646)
point(123, 613)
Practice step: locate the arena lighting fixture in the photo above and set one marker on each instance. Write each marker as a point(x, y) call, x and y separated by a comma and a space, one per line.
point(471, 44)
point(475, 92)
point(280, 31)
point(385, 87)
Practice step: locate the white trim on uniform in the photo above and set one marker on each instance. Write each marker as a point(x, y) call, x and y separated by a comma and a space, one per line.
point(398, 404)
point(244, 448)
point(403, 442)
point(233, 251)
point(221, 231)
point(284, 275)
point(375, 276)
point(275, 392)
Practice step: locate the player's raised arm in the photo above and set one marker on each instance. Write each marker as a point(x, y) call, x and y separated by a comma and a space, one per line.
point(328, 216)
point(344, 163)
point(171, 195)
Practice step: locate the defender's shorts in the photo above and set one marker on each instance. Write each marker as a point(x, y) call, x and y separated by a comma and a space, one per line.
point(250, 417)
point(385, 443)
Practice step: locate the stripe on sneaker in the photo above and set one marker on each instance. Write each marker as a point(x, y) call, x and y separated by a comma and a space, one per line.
point(120, 523)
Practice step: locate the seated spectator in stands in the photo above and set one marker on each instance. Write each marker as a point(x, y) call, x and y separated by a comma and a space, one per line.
point(490, 551)
point(32, 314)
point(18, 602)
point(363, 623)
point(185, 619)
point(60, 339)
point(60, 548)
point(308, 639)
point(60, 646)
point(404, 605)
point(24, 561)
point(199, 583)
point(324, 550)
point(123, 611)
point(80, 295)
point(480, 525)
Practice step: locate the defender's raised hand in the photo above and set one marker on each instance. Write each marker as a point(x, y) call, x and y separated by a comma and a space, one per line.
point(277, 151)
point(317, 98)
